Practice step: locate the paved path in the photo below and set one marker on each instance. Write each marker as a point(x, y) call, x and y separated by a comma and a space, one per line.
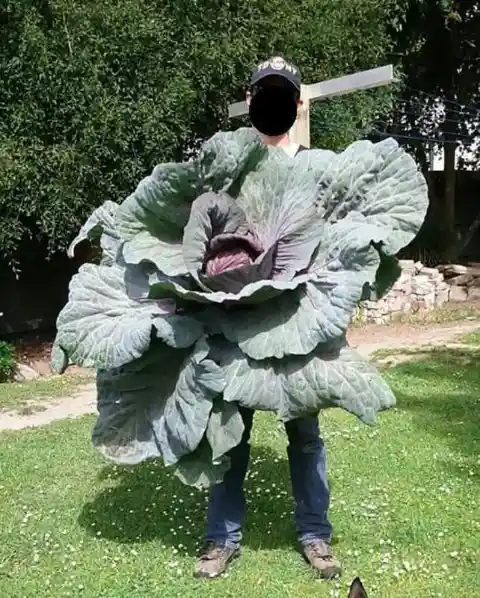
point(81, 402)
point(365, 340)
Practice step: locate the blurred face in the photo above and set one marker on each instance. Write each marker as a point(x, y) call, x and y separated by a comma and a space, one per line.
point(273, 106)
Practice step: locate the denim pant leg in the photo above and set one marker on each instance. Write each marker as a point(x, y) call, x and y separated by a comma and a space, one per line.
point(226, 507)
point(308, 473)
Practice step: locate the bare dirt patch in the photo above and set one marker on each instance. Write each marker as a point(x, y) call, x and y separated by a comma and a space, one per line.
point(81, 402)
point(34, 349)
point(366, 340)
point(371, 338)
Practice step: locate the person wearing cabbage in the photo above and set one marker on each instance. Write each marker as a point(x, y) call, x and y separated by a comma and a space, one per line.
point(226, 285)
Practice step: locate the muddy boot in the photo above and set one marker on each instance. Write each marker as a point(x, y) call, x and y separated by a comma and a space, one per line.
point(318, 554)
point(214, 560)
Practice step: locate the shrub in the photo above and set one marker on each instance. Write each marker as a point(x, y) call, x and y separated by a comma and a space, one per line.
point(94, 94)
point(7, 361)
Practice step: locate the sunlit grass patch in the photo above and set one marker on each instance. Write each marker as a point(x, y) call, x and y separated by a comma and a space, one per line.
point(404, 506)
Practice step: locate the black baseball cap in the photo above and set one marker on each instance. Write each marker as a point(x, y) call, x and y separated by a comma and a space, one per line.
point(276, 66)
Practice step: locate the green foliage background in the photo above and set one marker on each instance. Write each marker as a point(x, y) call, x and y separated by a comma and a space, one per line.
point(94, 93)
point(7, 362)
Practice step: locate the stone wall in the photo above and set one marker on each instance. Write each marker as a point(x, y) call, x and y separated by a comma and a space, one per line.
point(464, 281)
point(418, 288)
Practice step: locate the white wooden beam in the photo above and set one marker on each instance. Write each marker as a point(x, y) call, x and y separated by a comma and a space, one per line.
point(356, 82)
point(237, 109)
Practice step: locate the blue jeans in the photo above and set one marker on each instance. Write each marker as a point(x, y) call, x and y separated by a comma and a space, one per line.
point(306, 457)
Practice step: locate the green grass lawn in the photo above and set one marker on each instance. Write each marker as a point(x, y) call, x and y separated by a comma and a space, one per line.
point(405, 506)
point(28, 396)
point(473, 338)
point(447, 313)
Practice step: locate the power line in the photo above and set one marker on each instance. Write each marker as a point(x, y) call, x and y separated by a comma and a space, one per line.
point(412, 137)
point(445, 101)
point(372, 130)
point(424, 107)
point(419, 115)
point(449, 137)
point(444, 136)
point(429, 108)
point(460, 109)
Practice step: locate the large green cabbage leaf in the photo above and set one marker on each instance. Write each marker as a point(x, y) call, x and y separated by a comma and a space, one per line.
point(229, 281)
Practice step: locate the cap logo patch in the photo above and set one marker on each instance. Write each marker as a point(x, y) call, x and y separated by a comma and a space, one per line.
point(277, 63)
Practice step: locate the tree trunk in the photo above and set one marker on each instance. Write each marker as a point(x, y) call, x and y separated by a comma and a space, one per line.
point(450, 147)
point(466, 239)
point(449, 196)
point(425, 166)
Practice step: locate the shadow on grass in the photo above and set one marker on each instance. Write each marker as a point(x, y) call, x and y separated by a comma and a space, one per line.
point(148, 502)
point(450, 407)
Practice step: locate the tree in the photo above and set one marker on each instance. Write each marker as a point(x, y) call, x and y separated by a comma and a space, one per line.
point(366, 42)
point(438, 44)
point(94, 94)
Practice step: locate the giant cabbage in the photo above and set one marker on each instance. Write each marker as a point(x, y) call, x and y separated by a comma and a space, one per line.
point(230, 280)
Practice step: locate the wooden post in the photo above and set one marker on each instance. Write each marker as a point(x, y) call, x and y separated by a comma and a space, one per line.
point(300, 132)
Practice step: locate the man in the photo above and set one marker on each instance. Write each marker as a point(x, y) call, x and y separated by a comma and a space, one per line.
point(275, 85)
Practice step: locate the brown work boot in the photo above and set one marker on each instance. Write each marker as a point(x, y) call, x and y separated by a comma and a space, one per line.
point(319, 554)
point(214, 560)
